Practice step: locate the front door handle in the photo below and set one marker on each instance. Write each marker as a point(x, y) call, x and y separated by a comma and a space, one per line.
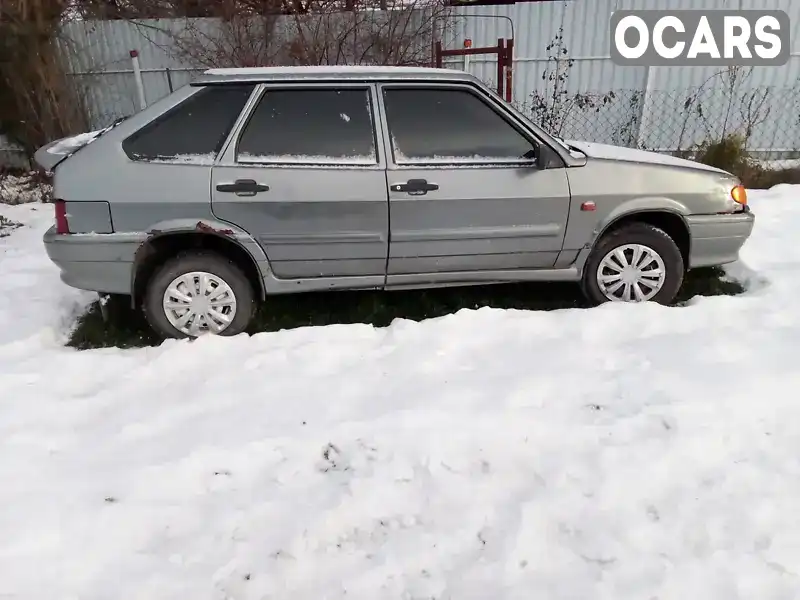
point(243, 187)
point(415, 187)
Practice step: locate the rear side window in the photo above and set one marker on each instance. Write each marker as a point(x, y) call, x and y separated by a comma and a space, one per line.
point(308, 126)
point(449, 125)
point(193, 131)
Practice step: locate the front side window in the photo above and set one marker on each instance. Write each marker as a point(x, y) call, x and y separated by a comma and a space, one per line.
point(310, 126)
point(449, 125)
point(194, 131)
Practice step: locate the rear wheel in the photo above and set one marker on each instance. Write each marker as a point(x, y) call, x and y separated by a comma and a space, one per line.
point(199, 293)
point(635, 263)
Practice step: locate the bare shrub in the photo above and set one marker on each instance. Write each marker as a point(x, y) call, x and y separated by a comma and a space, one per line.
point(402, 35)
point(38, 100)
point(240, 41)
point(730, 154)
point(557, 108)
point(287, 32)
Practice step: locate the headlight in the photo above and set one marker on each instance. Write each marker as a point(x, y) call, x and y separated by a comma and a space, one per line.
point(731, 196)
point(739, 194)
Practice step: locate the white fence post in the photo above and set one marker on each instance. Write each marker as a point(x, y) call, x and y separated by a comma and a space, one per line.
point(137, 75)
point(644, 110)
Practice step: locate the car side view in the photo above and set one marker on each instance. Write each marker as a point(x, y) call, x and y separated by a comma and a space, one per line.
point(251, 182)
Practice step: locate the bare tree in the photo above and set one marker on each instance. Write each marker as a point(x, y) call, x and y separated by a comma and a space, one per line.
point(238, 41)
point(307, 32)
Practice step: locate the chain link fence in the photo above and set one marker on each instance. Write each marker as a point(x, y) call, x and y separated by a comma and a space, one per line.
point(676, 122)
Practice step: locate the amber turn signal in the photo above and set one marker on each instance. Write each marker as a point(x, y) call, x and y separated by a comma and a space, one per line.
point(739, 194)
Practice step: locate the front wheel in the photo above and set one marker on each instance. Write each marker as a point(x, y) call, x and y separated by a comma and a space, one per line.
point(635, 263)
point(198, 293)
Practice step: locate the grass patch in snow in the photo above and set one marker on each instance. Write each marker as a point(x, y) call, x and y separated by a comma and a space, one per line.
point(7, 226)
point(127, 328)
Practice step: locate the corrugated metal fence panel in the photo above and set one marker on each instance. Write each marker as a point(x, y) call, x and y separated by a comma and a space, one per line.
point(536, 25)
point(11, 156)
point(104, 65)
point(106, 45)
point(721, 104)
point(586, 28)
point(99, 54)
point(656, 96)
point(675, 78)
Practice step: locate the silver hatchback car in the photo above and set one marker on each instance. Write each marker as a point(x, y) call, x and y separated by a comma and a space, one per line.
point(251, 182)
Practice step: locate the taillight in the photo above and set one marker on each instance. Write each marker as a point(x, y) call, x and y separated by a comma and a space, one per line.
point(61, 217)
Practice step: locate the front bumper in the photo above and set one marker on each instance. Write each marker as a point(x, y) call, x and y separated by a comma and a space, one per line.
point(717, 239)
point(95, 262)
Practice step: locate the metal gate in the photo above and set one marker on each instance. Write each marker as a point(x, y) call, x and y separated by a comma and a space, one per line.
point(505, 58)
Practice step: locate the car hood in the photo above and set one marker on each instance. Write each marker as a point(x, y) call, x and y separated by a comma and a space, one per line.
point(622, 154)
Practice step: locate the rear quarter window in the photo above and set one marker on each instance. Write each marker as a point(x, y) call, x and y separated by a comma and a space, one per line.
point(192, 131)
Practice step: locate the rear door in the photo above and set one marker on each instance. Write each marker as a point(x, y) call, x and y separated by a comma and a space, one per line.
point(305, 178)
point(465, 193)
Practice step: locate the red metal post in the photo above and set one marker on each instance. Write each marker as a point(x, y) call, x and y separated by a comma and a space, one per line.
point(470, 51)
point(509, 68)
point(505, 58)
point(500, 64)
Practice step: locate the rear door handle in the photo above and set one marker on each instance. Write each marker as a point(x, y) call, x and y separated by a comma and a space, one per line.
point(415, 187)
point(243, 187)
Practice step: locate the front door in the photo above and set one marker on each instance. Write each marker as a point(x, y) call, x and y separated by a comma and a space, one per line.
point(465, 194)
point(305, 179)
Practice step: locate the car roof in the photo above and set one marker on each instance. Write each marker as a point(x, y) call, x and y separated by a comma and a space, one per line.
point(329, 73)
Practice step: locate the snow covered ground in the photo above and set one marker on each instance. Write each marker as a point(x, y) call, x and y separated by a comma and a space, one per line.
point(623, 452)
point(780, 163)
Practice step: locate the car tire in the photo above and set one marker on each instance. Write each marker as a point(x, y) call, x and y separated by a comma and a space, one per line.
point(191, 266)
point(647, 239)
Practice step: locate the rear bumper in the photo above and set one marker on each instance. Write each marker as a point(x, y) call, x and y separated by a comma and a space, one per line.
point(717, 239)
point(95, 262)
